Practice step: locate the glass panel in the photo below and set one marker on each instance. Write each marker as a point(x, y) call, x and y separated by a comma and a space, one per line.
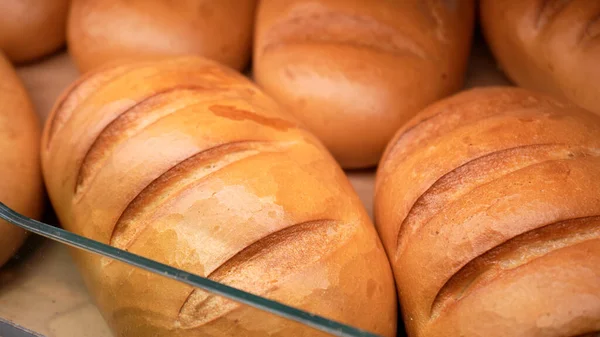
point(42, 285)
point(42, 290)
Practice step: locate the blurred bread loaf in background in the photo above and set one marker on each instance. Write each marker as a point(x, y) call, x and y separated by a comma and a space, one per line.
point(20, 174)
point(107, 31)
point(30, 29)
point(354, 71)
point(548, 45)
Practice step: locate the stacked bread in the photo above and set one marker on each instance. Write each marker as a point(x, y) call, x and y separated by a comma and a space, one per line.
point(551, 45)
point(30, 29)
point(20, 176)
point(354, 71)
point(488, 205)
point(186, 162)
point(113, 31)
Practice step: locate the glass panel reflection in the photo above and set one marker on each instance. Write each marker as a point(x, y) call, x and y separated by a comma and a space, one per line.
point(143, 297)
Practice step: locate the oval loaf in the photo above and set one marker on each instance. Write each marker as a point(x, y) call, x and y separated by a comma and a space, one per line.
point(548, 45)
point(20, 176)
point(186, 162)
point(110, 31)
point(30, 29)
point(354, 71)
point(488, 204)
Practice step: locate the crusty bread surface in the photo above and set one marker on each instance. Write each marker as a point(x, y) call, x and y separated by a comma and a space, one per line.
point(187, 162)
point(488, 204)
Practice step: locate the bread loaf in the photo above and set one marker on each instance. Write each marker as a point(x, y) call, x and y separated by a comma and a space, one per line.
point(488, 205)
point(109, 31)
point(20, 176)
point(30, 29)
point(186, 162)
point(354, 71)
point(548, 45)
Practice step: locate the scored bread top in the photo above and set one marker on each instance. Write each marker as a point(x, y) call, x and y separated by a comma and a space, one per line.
point(186, 162)
point(475, 196)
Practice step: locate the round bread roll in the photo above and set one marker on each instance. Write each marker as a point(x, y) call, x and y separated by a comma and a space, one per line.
point(488, 204)
point(30, 29)
point(548, 45)
point(354, 71)
point(186, 162)
point(20, 176)
point(112, 31)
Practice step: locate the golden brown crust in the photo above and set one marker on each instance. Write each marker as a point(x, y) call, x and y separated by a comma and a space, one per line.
point(548, 45)
point(354, 71)
point(188, 163)
point(30, 29)
point(20, 176)
point(513, 254)
point(104, 32)
point(269, 257)
point(474, 193)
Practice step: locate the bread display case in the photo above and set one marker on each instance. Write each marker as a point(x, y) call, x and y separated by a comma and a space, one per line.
point(299, 168)
point(43, 294)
